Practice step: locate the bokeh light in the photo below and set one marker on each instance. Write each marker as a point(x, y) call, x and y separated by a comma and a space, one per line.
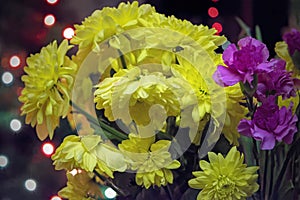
point(218, 27)
point(15, 125)
point(30, 184)
point(49, 20)
point(75, 171)
point(15, 61)
point(213, 12)
point(52, 2)
point(48, 148)
point(110, 193)
point(215, 1)
point(7, 78)
point(3, 161)
point(68, 33)
point(56, 198)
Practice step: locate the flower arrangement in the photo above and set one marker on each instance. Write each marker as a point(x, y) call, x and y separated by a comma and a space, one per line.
point(158, 113)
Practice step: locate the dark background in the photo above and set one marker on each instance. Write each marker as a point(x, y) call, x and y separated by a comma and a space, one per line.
point(22, 33)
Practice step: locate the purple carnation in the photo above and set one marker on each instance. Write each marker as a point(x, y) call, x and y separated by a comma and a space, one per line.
point(292, 39)
point(277, 82)
point(243, 63)
point(270, 124)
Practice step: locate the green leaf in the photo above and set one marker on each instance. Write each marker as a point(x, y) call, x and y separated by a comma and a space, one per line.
point(258, 34)
point(244, 26)
point(287, 191)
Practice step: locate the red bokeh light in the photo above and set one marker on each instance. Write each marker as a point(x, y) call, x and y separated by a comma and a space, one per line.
point(218, 27)
point(213, 12)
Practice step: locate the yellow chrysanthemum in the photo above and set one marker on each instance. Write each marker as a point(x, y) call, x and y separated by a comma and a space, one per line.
point(48, 83)
point(151, 161)
point(287, 102)
point(81, 152)
point(281, 49)
point(235, 112)
point(81, 187)
point(135, 90)
point(190, 74)
point(203, 35)
point(225, 178)
point(104, 23)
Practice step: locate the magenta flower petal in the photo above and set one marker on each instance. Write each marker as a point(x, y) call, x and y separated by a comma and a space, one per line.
point(224, 76)
point(277, 81)
point(228, 54)
point(245, 127)
point(270, 124)
point(292, 39)
point(260, 50)
point(288, 139)
point(267, 139)
point(243, 62)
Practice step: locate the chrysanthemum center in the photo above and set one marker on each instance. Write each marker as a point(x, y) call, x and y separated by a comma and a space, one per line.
point(225, 185)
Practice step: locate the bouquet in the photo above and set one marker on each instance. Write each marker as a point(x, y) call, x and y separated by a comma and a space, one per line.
point(158, 110)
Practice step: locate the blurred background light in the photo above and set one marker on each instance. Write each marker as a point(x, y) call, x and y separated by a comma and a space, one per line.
point(48, 148)
point(3, 161)
point(218, 27)
point(75, 171)
point(49, 20)
point(52, 2)
point(68, 33)
point(56, 198)
point(15, 125)
point(7, 78)
point(110, 193)
point(30, 184)
point(14, 61)
point(213, 12)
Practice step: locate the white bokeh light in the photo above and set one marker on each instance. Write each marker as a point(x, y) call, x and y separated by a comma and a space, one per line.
point(30, 184)
point(49, 20)
point(110, 193)
point(14, 61)
point(48, 148)
point(56, 198)
point(52, 1)
point(15, 125)
point(68, 33)
point(7, 78)
point(75, 171)
point(3, 161)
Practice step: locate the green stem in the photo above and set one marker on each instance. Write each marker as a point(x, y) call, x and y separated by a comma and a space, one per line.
point(109, 183)
point(272, 166)
point(264, 174)
point(105, 130)
point(123, 62)
point(169, 192)
point(284, 166)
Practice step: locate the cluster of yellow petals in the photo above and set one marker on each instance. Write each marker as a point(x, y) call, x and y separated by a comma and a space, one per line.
point(48, 83)
point(80, 187)
point(150, 160)
point(131, 91)
point(80, 152)
point(225, 178)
